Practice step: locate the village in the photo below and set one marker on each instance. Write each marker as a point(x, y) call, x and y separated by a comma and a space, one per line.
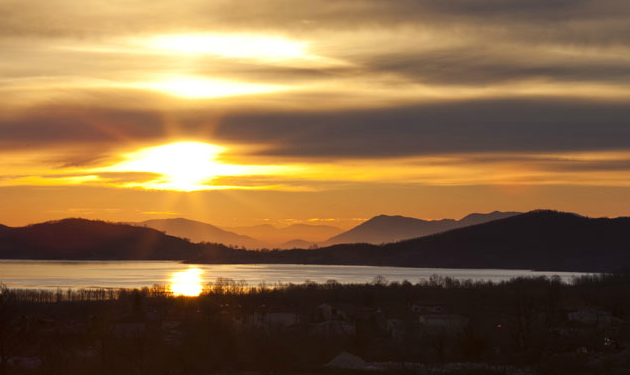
point(440, 326)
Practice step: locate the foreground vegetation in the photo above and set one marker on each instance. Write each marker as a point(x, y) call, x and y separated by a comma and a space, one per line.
point(441, 325)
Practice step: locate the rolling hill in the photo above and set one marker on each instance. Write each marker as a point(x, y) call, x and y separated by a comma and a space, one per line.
point(75, 239)
point(385, 229)
point(542, 240)
point(278, 236)
point(197, 231)
point(537, 240)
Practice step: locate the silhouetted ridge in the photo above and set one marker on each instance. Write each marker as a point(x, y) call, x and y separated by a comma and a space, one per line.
point(477, 218)
point(90, 239)
point(541, 239)
point(538, 240)
point(198, 231)
point(386, 229)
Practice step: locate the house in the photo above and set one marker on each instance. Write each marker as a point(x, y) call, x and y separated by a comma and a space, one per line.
point(594, 317)
point(444, 322)
point(280, 319)
point(129, 329)
point(347, 361)
point(328, 313)
point(272, 320)
point(428, 308)
point(334, 328)
point(371, 322)
point(395, 328)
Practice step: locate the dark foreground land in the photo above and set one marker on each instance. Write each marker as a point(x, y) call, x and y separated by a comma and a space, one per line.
point(441, 326)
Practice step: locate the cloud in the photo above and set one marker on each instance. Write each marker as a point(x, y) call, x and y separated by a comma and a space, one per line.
point(480, 43)
point(126, 177)
point(582, 21)
point(621, 165)
point(485, 65)
point(365, 102)
point(518, 125)
point(70, 125)
point(535, 125)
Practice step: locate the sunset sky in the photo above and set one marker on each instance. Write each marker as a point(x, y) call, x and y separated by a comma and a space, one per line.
point(283, 111)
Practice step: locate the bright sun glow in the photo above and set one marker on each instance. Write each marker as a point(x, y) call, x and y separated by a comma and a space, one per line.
point(200, 88)
point(231, 45)
point(184, 166)
point(186, 283)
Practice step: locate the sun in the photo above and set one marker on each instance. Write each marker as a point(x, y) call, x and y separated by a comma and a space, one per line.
point(193, 87)
point(183, 166)
point(186, 283)
point(244, 46)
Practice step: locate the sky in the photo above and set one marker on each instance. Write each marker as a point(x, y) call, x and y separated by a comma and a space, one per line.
point(325, 112)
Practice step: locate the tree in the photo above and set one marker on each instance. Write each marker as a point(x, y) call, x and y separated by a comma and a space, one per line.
point(11, 332)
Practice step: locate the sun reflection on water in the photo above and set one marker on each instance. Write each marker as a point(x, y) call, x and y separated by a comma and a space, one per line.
point(186, 283)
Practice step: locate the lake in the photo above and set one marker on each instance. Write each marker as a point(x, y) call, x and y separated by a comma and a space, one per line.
point(135, 274)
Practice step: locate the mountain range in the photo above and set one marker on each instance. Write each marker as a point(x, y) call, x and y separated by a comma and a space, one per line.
point(386, 229)
point(537, 240)
point(540, 240)
point(197, 231)
point(250, 237)
point(378, 230)
point(292, 234)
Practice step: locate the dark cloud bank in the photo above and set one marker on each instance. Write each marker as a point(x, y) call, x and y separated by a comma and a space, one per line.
point(461, 127)
point(516, 125)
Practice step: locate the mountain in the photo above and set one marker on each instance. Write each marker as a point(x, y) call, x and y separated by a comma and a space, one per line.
point(386, 229)
point(277, 236)
point(197, 231)
point(537, 240)
point(90, 239)
point(542, 240)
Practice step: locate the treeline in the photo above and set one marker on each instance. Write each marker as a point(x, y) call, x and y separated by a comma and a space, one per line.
point(522, 324)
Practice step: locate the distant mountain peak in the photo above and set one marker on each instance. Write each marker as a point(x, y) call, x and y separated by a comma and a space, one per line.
point(311, 233)
point(388, 216)
point(393, 228)
point(544, 240)
point(550, 212)
point(198, 231)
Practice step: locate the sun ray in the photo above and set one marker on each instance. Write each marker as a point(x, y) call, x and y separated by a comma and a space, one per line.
point(182, 166)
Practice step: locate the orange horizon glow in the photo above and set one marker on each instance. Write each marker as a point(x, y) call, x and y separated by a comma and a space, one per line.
point(188, 165)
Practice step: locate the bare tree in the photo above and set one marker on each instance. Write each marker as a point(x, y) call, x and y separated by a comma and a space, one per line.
point(11, 331)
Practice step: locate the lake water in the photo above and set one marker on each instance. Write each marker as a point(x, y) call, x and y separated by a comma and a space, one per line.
point(135, 274)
